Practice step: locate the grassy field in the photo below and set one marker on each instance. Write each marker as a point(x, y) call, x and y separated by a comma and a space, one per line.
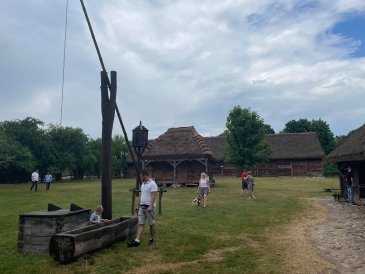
point(231, 235)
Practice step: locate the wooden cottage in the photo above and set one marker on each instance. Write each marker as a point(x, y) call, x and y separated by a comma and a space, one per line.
point(293, 154)
point(352, 153)
point(178, 156)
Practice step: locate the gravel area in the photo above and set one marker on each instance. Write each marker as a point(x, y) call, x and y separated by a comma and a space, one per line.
point(340, 237)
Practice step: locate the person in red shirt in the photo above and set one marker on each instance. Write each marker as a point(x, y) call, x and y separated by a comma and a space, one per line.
point(244, 181)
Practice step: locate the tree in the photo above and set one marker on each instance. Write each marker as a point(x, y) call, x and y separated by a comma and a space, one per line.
point(119, 157)
point(269, 129)
point(245, 136)
point(302, 125)
point(29, 133)
point(15, 160)
point(94, 148)
point(70, 146)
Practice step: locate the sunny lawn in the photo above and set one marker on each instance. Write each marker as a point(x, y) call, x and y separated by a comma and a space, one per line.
point(231, 235)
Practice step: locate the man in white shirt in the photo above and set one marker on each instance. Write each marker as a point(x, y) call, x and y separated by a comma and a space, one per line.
point(35, 178)
point(148, 196)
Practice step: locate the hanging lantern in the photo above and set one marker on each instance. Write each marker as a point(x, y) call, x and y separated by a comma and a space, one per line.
point(140, 139)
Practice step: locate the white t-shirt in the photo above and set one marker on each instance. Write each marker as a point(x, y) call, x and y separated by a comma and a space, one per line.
point(203, 182)
point(146, 190)
point(35, 176)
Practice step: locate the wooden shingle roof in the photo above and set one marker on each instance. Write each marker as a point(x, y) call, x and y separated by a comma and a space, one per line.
point(352, 149)
point(178, 143)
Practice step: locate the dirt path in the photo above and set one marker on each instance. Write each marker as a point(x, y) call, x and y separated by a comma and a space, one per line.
point(340, 238)
point(328, 238)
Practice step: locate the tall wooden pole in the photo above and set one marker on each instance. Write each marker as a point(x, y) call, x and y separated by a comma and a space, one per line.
point(108, 105)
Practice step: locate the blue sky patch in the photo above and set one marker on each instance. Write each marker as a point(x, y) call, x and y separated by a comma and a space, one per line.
point(353, 27)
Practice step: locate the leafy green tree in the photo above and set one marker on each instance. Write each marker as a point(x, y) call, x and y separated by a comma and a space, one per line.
point(70, 145)
point(245, 137)
point(302, 125)
point(94, 148)
point(119, 157)
point(15, 160)
point(325, 135)
point(30, 133)
point(269, 129)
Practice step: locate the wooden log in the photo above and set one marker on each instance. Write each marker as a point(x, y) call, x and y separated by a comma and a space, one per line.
point(67, 246)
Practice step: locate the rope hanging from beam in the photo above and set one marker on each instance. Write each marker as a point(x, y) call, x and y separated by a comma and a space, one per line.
point(64, 62)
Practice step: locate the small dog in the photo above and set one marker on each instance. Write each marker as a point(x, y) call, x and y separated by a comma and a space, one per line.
point(197, 200)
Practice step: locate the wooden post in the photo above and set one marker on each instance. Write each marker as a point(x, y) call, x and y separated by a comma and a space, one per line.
point(161, 191)
point(133, 200)
point(108, 104)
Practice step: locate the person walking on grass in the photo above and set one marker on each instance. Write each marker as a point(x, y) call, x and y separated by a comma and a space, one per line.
point(148, 196)
point(244, 181)
point(35, 179)
point(250, 186)
point(48, 179)
point(204, 188)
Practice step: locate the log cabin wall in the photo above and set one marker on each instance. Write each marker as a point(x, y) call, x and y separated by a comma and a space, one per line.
point(295, 168)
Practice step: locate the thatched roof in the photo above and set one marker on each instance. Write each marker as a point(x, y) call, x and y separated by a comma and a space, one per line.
point(352, 149)
point(218, 145)
point(178, 143)
point(186, 143)
point(294, 146)
point(283, 145)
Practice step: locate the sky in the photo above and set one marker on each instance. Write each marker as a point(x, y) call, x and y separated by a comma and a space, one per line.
point(184, 63)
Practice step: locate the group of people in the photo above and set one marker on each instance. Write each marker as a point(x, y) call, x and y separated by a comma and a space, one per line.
point(247, 184)
point(35, 179)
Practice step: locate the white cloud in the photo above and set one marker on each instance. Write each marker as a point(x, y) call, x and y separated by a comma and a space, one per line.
point(183, 63)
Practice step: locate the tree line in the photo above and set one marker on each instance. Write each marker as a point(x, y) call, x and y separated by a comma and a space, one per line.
point(29, 144)
point(26, 145)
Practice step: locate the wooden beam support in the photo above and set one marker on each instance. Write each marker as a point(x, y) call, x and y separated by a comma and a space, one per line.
point(108, 104)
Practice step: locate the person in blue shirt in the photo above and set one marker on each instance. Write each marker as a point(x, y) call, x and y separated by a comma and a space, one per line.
point(48, 179)
point(96, 216)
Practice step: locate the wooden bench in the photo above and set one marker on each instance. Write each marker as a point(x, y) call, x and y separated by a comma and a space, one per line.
point(331, 189)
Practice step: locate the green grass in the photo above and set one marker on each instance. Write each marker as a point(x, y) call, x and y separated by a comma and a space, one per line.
point(231, 235)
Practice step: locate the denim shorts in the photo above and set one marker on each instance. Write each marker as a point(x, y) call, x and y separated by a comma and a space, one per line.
point(144, 215)
point(204, 191)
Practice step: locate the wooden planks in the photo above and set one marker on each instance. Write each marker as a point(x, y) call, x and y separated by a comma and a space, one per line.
point(37, 228)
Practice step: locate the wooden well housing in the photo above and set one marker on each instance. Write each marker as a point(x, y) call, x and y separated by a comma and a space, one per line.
point(36, 228)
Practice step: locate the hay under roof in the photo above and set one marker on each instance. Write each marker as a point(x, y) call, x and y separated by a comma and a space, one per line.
point(352, 149)
point(178, 143)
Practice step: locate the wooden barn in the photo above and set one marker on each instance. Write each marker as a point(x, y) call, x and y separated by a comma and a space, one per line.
point(352, 153)
point(178, 156)
point(293, 154)
point(181, 154)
